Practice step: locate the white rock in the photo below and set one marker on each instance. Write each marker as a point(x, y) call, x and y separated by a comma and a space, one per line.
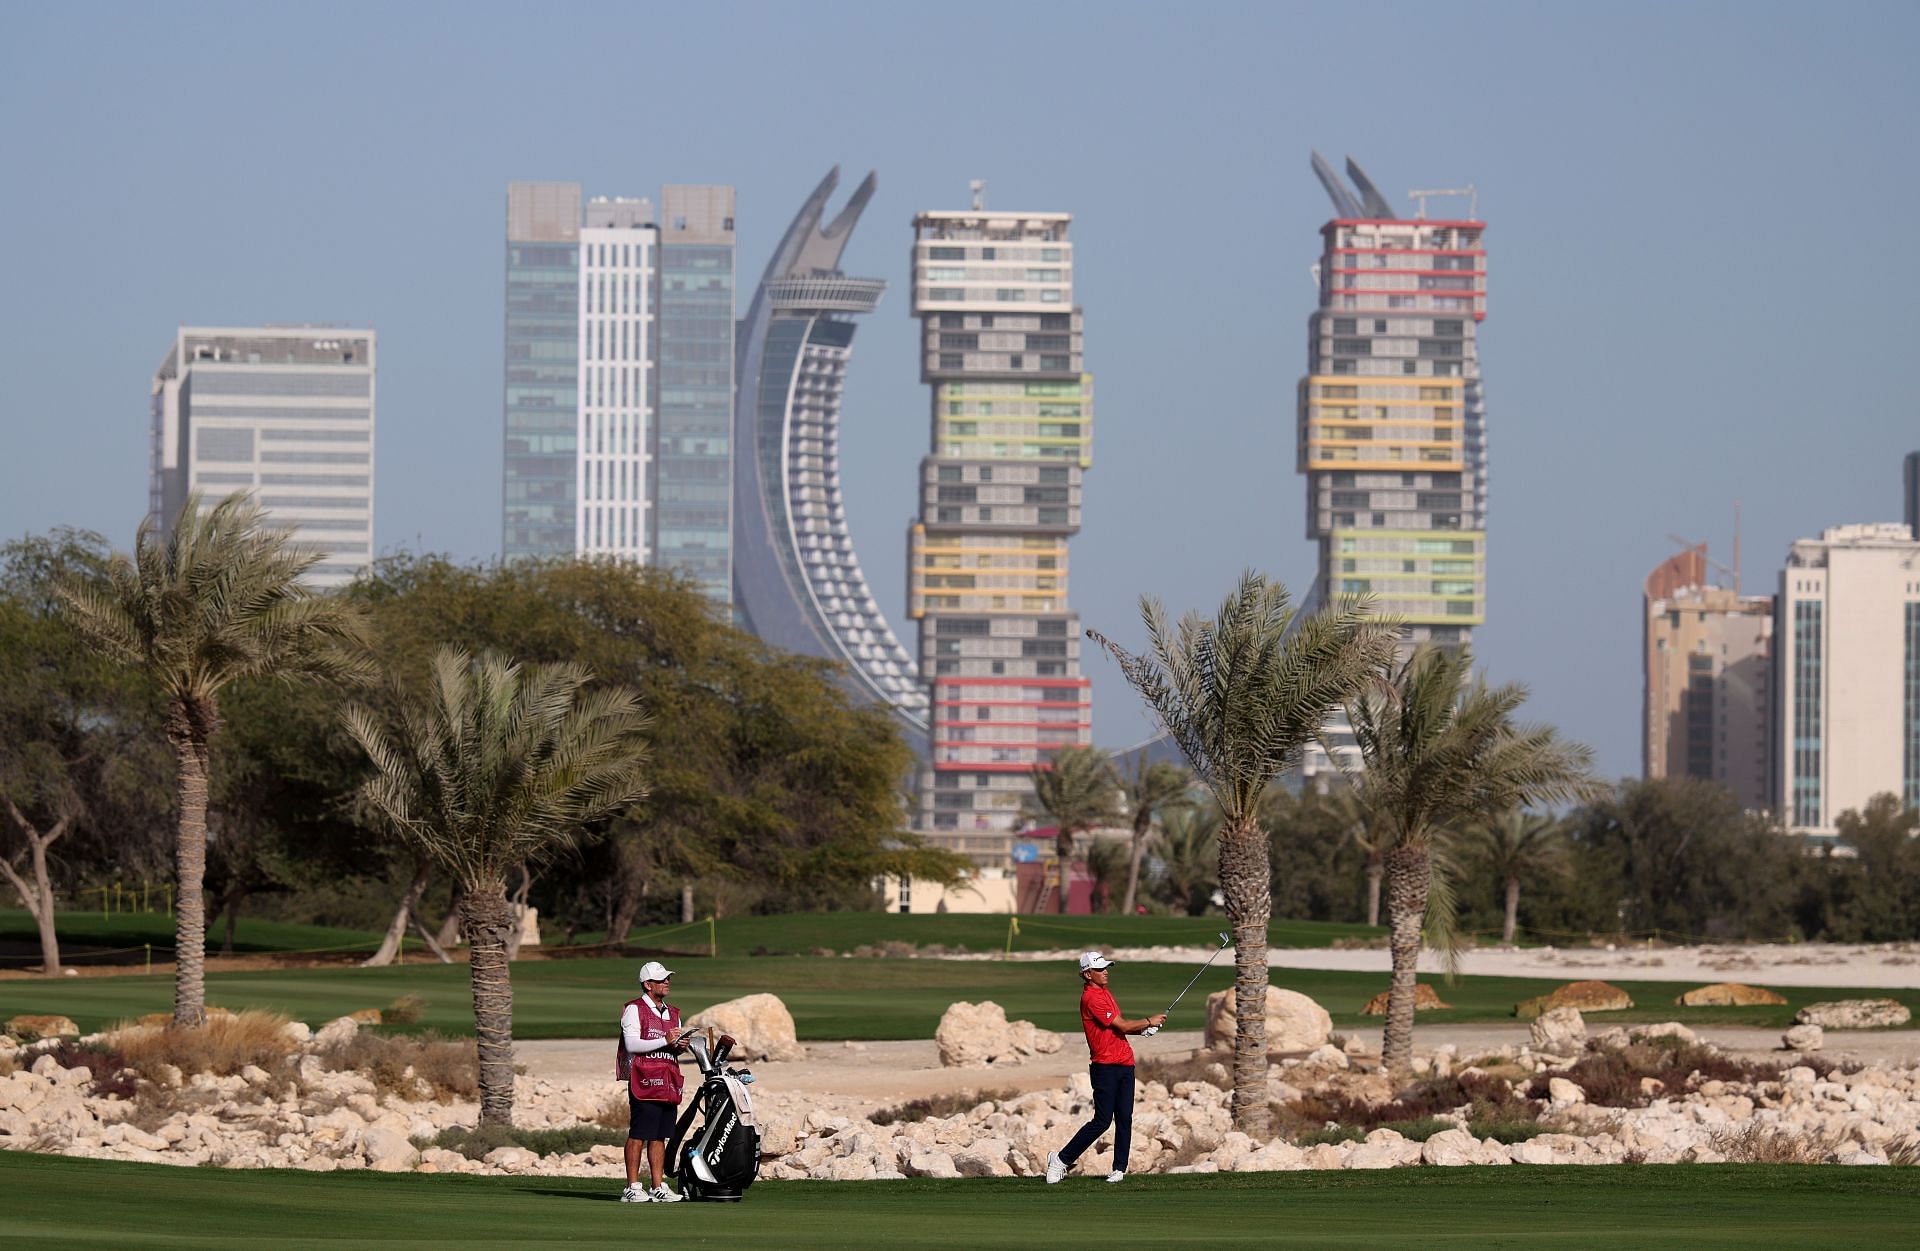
point(1530, 1153)
point(1294, 1022)
point(1330, 1056)
point(336, 1033)
point(298, 1032)
point(1804, 1038)
point(932, 1164)
point(1559, 1031)
point(1451, 1148)
point(1857, 1158)
point(760, 1024)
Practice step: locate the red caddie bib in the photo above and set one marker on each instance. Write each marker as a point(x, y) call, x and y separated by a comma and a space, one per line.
point(655, 1075)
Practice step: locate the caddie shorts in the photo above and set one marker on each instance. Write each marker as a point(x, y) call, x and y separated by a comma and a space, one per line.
point(650, 1120)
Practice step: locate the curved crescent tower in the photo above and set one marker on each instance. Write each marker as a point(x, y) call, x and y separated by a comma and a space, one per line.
point(796, 581)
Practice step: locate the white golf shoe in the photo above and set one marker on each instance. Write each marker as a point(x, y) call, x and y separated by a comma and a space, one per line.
point(660, 1194)
point(636, 1193)
point(1056, 1168)
point(1116, 1176)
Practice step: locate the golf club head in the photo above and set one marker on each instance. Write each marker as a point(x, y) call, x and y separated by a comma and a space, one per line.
point(1224, 939)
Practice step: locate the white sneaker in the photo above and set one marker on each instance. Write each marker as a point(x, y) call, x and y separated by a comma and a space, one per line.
point(660, 1194)
point(636, 1193)
point(1116, 1176)
point(1056, 1168)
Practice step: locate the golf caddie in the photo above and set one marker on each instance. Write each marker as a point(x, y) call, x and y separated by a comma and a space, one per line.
point(1110, 1067)
point(648, 1061)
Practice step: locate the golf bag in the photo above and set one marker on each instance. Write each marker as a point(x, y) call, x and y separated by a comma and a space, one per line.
point(721, 1158)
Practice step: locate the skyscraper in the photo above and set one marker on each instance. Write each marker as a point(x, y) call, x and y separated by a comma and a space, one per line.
point(1847, 702)
point(797, 582)
point(619, 395)
point(1910, 480)
point(1708, 657)
point(1392, 424)
point(283, 411)
point(1012, 412)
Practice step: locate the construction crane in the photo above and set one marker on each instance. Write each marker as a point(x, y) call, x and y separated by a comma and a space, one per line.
point(1473, 199)
point(1719, 568)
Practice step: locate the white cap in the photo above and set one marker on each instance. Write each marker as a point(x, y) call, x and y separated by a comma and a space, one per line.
point(654, 971)
point(1091, 960)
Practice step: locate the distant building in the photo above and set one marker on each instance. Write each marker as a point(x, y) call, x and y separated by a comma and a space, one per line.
point(618, 389)
point(283, 411)
point(797, 582)
point(1910, 479)
point(1847, 702)
point(1000, 491)
point(1708, 655)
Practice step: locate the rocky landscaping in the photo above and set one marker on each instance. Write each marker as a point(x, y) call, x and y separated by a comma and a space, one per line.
point(260, 1091)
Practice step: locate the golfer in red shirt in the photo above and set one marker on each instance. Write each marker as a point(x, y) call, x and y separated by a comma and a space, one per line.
point(1111, 1070)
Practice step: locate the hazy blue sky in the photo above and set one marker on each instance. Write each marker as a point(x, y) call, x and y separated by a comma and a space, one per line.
point(1703, 264)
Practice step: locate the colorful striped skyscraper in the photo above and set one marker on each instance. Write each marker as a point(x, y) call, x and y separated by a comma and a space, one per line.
point(1392, 424)
point(1000, 497)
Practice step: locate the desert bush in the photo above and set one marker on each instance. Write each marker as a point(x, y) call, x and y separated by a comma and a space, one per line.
point(154, 1104)
point(939, 1105)
point(402, 1064)
point(222, 1047)
point(105, 1063)
point(405, 1010)
point(1418, 1130)
point(1486, 1097)
point(1614, 1078)
point(615, 1114)
point(1754, 1143)
point(1193, 1068)
point(475, 1143)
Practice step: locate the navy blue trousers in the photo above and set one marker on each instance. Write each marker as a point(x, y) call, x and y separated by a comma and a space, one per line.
point(1112, 1105)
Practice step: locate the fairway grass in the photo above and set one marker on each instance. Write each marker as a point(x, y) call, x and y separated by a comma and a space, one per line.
point(830, 998)
point(53, 1201)
point(124, 934)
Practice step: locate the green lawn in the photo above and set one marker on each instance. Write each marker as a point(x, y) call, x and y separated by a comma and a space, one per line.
point(829, 998)
point(800, 933)
point(81, 932)
point(58, 1202)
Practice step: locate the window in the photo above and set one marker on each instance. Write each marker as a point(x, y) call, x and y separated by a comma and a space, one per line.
point(947, 254)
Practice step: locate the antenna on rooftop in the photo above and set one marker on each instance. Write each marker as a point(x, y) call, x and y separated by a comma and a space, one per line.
point(979, 188)
point(1473, 200)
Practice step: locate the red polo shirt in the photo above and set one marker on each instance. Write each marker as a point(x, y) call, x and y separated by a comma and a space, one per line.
point(1098, 1013)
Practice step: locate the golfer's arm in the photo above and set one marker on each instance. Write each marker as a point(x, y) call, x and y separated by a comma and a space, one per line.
point(1123, 1026)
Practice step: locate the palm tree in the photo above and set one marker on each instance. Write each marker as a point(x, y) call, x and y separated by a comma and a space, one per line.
point(1148, 789)
point(1516, 845)
point(1188, 848)
point(1241, 695)
point(1346, 806)
point(491, 768)
point(1077, 792)
point(1438, 753)
point(217, 601)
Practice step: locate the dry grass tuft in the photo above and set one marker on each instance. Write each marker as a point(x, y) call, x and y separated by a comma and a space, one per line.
point(1194, 1068)
point(222, 1047)
point(405, 1010)
point(1905, 1152)
point(411, 1067)
point(615, 1114)
point(7, 1066)
point(1754, 1143)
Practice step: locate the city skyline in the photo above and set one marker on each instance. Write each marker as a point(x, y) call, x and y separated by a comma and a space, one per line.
point(1615, 246)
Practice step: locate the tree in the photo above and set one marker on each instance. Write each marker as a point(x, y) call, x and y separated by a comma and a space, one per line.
point(1241, 695)
point(1876, 893)
point(1188, 849)
point(1516, 845)
point(1437, 754)
point(218, 601)
point(1077, 791)
point(494, 767)
point(1148, 789)
point(1353, 817)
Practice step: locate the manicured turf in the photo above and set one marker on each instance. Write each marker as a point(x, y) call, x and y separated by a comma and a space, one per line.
point(122, 932)
point(57, 1202)
point(830, 998)
point(801, 933)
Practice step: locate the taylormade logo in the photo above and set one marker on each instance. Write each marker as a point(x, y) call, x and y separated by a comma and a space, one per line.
point(720, 1144)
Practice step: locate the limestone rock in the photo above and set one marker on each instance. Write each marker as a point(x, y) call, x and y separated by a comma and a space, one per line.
point(1564, 1093)
point(29, 1027)
point(387, 1150)
point(1589, 996)
point(972, 1034)
point(513, 1159)
point(336, 1033)
point(297, 1032)
point(1425, 999)
point(932, 1164)
point(760, 1023)
point(1294, 1022)
point(1729, 995)
point(1804, 1038)
point(1662, 1029)
point(1329, 1055)
point(1834, 1014)
point(1450, 1148)
point(1559, 1032)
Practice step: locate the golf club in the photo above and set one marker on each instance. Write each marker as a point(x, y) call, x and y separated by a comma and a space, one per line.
point(1225, 942)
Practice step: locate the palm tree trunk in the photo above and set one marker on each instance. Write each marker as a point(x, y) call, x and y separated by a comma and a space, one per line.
point(487, 919)
point(1375, 870)
point(188, 730)
point(1063, 852)
point(686, 902)
point(1138, 852)
point(397, 928)
point(450, 928)
point(1408, 875)
point(1513, 910)
point(1244, 881)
